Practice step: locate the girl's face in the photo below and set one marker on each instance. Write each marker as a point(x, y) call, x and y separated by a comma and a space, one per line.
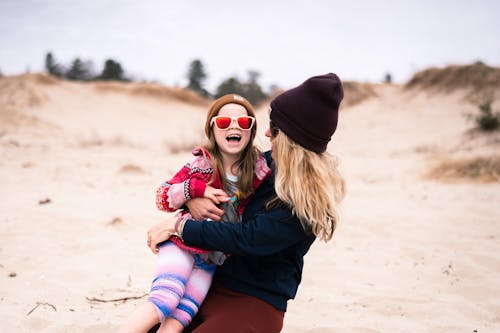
point(233, 139)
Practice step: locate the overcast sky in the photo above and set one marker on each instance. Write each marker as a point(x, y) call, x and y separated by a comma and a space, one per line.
point(285, 40)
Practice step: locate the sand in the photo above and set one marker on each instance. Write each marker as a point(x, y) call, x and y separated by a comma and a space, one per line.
point(80, 165)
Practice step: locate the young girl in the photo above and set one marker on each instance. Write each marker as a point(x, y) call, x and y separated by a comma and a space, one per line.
point(227, 171)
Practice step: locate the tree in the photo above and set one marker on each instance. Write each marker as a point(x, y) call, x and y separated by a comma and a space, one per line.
point(388, 78)
point(196, 76)
point(80, 71)
point(230, 86)
point(273, 89)
point(52, 67)
point(112, 71)
point(252, 90)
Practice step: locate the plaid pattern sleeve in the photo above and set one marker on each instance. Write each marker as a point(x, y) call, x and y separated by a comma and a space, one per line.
point(188, 183)
point(170, 194)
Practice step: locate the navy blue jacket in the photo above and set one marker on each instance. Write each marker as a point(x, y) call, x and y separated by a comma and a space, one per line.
point(267, 249)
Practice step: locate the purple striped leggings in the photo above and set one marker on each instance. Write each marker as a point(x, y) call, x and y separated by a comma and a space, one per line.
point(181, 283)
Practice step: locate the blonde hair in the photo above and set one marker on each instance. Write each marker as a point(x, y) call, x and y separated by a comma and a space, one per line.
point(249, 155)
point(310, 184)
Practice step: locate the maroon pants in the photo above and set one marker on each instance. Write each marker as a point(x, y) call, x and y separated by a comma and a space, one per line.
point(227, 311)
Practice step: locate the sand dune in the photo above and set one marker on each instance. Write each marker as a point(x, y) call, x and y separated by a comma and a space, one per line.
point(81, 161)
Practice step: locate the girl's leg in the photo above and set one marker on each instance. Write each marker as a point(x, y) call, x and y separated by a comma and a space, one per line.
point(197, 288)
point(142, 319)
point(173, 270)
point(170, 325)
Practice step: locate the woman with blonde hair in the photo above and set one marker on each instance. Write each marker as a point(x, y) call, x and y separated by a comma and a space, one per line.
point(298, 203)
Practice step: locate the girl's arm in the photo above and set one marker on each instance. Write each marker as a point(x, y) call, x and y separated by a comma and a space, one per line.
point(173, 194)
point(216, 195)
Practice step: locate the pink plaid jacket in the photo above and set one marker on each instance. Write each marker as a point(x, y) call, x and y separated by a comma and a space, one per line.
point(191, 181)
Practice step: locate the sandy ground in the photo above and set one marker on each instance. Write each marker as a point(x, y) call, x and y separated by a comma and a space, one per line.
point(80, 165)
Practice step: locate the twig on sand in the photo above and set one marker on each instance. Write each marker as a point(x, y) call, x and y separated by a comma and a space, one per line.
point(38, 304)
point(120, 299)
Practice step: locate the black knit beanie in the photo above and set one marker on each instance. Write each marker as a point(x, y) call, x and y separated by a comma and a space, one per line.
point(308, 113)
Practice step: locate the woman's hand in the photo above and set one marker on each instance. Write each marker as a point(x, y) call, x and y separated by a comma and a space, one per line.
point(216, 195)
point(203, 209)
point(160, 232)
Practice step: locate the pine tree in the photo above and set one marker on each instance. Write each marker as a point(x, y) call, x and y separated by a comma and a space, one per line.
point(252, 90)
point(52, 67)
point(230, 86)
point(196, 76)
point(112, 71)
point(79, 71)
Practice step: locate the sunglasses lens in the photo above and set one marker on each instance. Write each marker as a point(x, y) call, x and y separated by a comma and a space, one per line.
point(245, 122)
point(273, 129)
point(223, 122)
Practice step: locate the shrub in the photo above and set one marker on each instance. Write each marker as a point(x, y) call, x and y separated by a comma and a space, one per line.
point(487, 120)
point(483, 169)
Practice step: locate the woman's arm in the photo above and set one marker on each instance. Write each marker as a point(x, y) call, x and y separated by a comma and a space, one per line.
point(199, 208)
point(261, 235)
point(160, 232)
point(264, 234)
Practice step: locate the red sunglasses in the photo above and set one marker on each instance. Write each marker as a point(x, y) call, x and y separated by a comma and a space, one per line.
point(224, 122)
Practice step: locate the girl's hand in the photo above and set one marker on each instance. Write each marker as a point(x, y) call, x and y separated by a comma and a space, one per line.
point(216, 195)
point(160, 232)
